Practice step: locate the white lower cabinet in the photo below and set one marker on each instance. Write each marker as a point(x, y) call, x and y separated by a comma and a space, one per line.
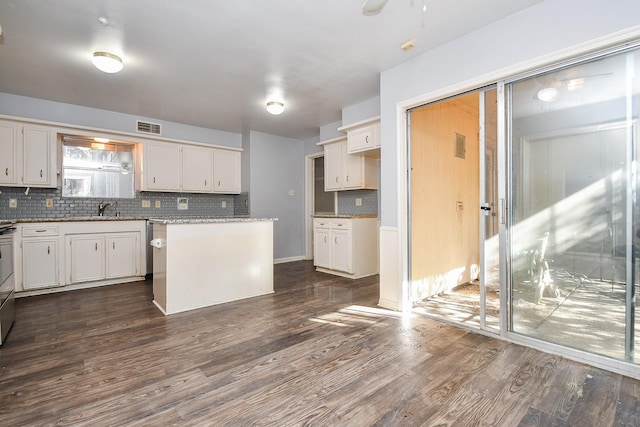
point(121, 255)
point(99, 257)
point(346, 246)
point(87, 258)
point(40, 263)
point(321, 244)
point(81, 254)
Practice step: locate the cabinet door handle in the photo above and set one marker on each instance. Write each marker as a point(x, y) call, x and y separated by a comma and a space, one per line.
point(347, 178)
point(218, 183)
point(336, 179)
point(366, 139)
point(325, 239)
point(205, 182)
point(335, 240)
point(40, 173)
point(48, 250)
point(96, 246)
point(6, 171)
point(40, 231)
point(154, 179)
point(114, 245)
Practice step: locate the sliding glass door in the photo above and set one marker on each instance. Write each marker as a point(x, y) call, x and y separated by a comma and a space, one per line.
point(572, 205)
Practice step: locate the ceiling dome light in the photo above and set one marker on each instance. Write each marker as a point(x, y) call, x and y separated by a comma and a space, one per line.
point(547, 94)
point(275, 107)
point(107, 62)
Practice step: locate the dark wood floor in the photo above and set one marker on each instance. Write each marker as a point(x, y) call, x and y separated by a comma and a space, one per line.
point(311, 354)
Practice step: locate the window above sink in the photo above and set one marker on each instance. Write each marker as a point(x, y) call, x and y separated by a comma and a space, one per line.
point(97, 168)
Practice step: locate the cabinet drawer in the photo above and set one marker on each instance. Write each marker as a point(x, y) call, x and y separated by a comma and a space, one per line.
point(322, 223)
point(41, 230)
point(341, 224)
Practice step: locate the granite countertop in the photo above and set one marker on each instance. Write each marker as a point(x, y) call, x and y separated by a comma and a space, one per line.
point(164, 220)
point(344, 216)
point(208, 220)
point(83, 218)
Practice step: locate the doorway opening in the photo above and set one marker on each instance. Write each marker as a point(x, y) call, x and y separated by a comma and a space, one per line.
point(318, 201)
point(453, 238)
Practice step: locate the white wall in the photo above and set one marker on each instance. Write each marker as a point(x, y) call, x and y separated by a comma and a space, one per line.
point(41, 109)
point(277, 166)
point(542, 33)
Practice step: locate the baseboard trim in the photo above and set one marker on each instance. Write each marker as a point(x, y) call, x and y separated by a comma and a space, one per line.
point(289, 259)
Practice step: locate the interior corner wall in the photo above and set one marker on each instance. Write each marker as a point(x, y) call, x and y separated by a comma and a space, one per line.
point(277, 169)
point(59, 112)
point(245, 164)
point(543, 32)
point(361, 111)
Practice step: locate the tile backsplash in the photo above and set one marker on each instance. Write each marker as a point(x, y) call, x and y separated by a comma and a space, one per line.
point(34, 204)
point(347, 202)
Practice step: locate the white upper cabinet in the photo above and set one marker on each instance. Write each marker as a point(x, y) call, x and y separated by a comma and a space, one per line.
point(8, 153)
point(363, 137)
point(197, 169)
point(226, 170)
point(38, 149)
point(27, 155)
point(162, 167)
point(333, 168)
point(344, 171)
point(174, 167)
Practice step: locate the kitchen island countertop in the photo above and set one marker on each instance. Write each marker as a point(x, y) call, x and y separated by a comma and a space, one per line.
point(344, 216)
point(211, 220)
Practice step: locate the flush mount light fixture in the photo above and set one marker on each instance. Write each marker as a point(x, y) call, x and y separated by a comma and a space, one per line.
point(275, 107)
point(547, 94)
point(107, 62)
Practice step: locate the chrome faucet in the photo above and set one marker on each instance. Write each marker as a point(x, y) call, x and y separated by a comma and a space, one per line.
point(102, 206)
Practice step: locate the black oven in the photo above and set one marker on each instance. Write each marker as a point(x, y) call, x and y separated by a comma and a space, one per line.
point(7, 286)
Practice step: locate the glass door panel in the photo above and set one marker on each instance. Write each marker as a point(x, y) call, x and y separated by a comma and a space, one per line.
point(572, 211)
point(489, 252)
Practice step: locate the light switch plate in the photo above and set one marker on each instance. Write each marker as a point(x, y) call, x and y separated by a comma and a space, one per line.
point(146, 203)
point(13, 203)
point(358, 202)
point(49, 203)
point(158, 204)
point(224, 203)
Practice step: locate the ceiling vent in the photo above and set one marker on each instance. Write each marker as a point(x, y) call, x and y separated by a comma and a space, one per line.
point(146, 127)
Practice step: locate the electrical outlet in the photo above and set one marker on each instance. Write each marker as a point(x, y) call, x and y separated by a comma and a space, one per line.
point(459, 206)
point(146, 203)
point(13, 203)
point(158, 204)
point(292, 193)
point(224, 203)
point(49, 203)
point(358, 202)
point(183, 203)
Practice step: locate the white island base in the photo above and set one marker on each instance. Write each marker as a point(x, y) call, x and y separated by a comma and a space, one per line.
point(199, 264)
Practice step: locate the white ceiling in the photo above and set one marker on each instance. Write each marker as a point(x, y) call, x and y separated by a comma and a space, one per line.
point(213, 63)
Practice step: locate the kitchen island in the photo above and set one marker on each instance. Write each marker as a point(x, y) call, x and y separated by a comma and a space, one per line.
point(202, 262)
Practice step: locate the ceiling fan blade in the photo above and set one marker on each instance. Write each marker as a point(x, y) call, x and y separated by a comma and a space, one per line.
point(373, 7)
